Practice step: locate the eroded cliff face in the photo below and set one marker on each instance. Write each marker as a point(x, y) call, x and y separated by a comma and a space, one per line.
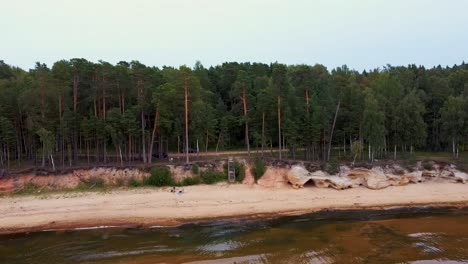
point(180, 172)
point(43, 180)
point(110, 176)
point(276, 176)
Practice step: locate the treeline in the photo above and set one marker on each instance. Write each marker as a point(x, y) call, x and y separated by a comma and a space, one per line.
point(78, 110)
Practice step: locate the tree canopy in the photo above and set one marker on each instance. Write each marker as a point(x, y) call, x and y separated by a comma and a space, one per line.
point(81, 111)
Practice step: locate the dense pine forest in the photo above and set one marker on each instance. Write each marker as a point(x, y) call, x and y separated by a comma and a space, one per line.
point(77, 111)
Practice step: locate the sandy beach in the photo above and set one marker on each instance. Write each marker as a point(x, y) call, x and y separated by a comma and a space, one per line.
point(158, 206)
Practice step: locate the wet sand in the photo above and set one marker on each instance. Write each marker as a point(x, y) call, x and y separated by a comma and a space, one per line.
point(158, 206)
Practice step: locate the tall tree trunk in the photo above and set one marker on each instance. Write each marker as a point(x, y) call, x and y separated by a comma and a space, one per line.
point(143, 123)
point(344, 145)
point(263, 133)
point(206, 141)
point(87, 150)
point(104, 144)
point(42, 92)
point(244, 103)
point(75, 91)
point(96, 148)
point(117, 83)
point(8, 156)
point(2, 153)
point(160, 143)
point(18, 150)
point(369, 151)
point(69, 150)
point(95, 107)
point(186, 120)
point(62, 156)
point(143, 147)
point(123, 101)
point(43, 156)
point(120, 154)
point(129, 148)
point(150, 147)
point(60, 109)
point(52, 161)
point(453, 147)
point(219, 140)
point(75, 103)
point(307, 148)
point(332, 129)
point(103, 98)
point(279, 126)
point(385, 146)
point(284, 144)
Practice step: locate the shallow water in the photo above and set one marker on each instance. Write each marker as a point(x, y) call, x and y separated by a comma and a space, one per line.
point(423, 235)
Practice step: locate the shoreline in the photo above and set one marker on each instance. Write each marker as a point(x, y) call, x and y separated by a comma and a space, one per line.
point(151, 207)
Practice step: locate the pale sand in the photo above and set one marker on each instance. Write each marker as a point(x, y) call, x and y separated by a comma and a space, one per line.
point(151, 206)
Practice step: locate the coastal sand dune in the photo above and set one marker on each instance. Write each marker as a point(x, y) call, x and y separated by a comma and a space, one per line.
point(158, 206)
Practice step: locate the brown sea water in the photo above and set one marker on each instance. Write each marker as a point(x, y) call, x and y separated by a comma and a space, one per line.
point(417, 235)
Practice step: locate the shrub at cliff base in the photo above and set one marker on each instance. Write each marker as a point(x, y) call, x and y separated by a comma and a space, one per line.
point(258, 169)
point(210, 177)
point(190, 181)
point(159, 177)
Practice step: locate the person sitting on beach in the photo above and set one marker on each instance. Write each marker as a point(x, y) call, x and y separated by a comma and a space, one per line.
point(173, 189)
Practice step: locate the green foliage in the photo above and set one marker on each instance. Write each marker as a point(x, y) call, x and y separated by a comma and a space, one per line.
point(120, 182)
point(210, 177)
point(195, 169)
point(190, 181)
point(331, 167)
point(258, 169)
point(427, 165)
point(6, 130)
point(101, 106)
point(94, 182)
point(28, 188)
point(356, 149)
point(373, 123)
point(81, 187)
point(159, 177)
point(132, 182)
point(454, 117)
point(239, 170)
point(409, 120)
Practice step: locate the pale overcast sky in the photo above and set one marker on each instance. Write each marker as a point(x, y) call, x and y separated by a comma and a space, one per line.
point(362, 34)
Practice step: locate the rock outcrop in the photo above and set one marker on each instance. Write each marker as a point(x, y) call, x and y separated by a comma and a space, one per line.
point(298, 176)
point(248, 178)
point(460, 176)
point(274, 177)
point(375, 178)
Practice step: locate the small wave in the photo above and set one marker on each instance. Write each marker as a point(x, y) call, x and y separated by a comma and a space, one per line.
point(159, 226)
point(219, 247)
point(427, 248)
point(421, 235)
point(112, 254)
point(93, 227)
